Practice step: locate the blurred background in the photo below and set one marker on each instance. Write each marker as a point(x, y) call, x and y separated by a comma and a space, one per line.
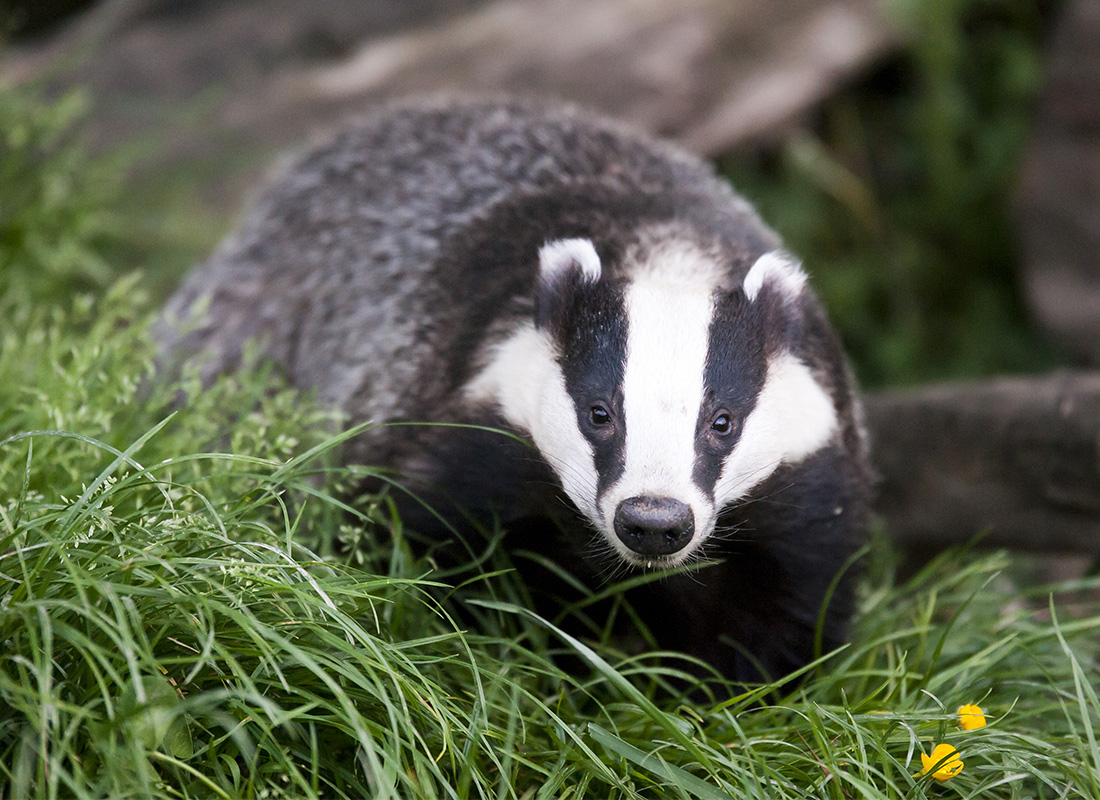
point(913, 152)
point(936, 163)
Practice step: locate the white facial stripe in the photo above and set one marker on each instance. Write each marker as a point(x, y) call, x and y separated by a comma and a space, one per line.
point(663, 257)
point(524, 381)
point(793, 417)
point(662, 392)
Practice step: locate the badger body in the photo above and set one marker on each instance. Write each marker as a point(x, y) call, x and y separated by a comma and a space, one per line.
point(605, 298)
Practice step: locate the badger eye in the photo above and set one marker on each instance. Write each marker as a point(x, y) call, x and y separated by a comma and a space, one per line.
point(599, 415)
point(722, 424)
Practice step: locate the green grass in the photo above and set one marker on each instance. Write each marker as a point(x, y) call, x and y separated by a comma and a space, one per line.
point(169, 629)
point(54, 219)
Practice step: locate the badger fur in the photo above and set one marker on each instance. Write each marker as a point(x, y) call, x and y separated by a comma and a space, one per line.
point(605, 298)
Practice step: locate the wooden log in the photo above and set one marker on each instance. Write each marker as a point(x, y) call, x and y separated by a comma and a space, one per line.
point(1016, 457)
point(213, 89)
point(711, 74)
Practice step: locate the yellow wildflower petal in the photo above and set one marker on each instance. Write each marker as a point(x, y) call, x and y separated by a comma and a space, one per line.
point(971, 717)
point(944, 763)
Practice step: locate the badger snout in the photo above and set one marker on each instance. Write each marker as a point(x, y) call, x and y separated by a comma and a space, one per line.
point(654, 526)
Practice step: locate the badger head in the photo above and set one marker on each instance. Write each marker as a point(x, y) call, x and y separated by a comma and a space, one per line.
point(661, 397)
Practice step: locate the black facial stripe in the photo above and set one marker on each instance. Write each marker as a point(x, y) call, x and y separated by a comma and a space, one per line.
point(735, 371)
point(593, 359)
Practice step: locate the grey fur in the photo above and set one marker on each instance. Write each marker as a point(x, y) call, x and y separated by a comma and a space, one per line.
point(345, 240)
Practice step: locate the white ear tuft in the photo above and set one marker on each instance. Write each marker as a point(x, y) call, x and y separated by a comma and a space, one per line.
point(779, 269)
point(565, 254)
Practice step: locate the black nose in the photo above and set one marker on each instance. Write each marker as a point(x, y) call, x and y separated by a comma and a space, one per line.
point(654, 526)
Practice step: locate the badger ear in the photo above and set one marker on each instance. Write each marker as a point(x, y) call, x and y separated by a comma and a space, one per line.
point(779, 272)
point(569, 255)
point(564, 265)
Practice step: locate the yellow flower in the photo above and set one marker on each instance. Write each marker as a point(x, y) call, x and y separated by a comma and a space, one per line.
point(971, 717)
point(944, 763)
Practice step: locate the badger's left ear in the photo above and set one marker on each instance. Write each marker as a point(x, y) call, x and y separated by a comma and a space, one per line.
point(778, 272)
point(564, 266)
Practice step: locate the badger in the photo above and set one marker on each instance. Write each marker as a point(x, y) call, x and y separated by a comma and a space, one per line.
point(606, 336)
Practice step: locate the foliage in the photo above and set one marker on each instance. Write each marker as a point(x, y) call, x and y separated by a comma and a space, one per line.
point(54, 223)
point(898, 199)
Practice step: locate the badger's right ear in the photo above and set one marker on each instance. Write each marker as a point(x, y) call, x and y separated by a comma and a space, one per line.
point(777, 271)
point(564, 265)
